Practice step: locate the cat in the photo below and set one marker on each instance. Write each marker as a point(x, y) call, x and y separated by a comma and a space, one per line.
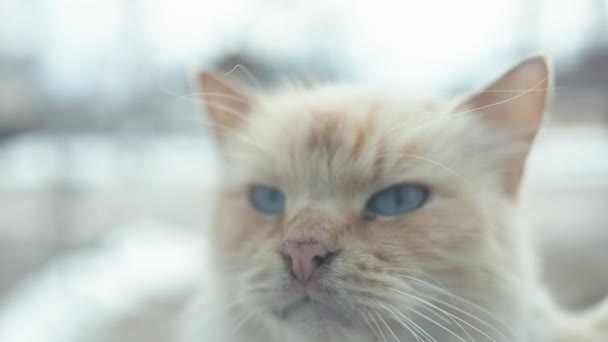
point(345, 214)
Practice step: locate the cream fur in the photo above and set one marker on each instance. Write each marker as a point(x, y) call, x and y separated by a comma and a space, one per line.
point(460, 268)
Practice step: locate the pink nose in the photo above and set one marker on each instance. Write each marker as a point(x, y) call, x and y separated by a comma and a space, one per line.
point(305, 256)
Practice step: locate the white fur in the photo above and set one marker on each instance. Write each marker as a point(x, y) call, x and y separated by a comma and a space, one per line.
point(487, 264)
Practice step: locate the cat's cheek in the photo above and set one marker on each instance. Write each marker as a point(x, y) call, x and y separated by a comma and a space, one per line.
point(444, 227)
point(241, 234)
point(247, 257)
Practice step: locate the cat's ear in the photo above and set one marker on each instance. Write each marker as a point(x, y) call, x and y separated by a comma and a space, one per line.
point(225, 102)
point(513, 107)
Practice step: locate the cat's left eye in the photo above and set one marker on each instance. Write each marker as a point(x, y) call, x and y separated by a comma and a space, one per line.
point(397, 200)
point(267, 200)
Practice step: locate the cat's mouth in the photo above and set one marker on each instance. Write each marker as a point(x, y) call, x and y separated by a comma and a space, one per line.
point(307, 309)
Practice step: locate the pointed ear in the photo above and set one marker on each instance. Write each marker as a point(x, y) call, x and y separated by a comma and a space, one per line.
point(513, 106)
point(226, 104)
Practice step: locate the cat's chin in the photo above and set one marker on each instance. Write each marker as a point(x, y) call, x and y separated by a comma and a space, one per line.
point(307, 312)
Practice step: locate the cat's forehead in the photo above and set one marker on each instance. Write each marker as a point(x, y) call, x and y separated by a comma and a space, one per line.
point(332, 136)
point(348, 101)
point(335, 115)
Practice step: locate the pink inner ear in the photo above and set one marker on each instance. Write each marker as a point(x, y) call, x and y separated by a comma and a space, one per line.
point(514, 104)
point(225, 103)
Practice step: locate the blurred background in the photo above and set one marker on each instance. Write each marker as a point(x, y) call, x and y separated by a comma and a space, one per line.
point(105, 158)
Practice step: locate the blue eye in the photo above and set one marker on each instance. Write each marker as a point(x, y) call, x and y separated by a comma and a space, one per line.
point(397, 200)
point(267, 200)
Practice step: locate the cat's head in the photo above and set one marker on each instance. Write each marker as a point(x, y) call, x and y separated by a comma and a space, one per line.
point(342, 206)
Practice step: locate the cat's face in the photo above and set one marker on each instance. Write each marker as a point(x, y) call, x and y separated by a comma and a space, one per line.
point(338, 207)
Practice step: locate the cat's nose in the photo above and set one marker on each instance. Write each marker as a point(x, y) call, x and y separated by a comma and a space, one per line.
point(305, 257)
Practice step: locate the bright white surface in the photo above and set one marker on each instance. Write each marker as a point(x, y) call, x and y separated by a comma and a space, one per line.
point(417, 43)
point(97, 161)
point(572, 157)
point(83, 293)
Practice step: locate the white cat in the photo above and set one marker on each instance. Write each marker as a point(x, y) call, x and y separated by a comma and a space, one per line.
point(347, 215)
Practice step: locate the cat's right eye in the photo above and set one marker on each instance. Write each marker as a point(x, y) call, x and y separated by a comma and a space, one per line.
point(397, 200)
point(267, 200)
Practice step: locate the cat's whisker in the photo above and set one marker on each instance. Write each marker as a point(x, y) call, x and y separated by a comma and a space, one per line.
point(377, 326)
point(453, 297)
point(406, 325)
point(409, 166)
point(238, 301)
point(515, 91)
point(434, 279)
point(198, 96)
point(426, 160)
point(449, 116)
point(427, 286)
point(481, 108)
point(469, 324)
point(241, 323)
point(443, 327)
point(437, 164)
point(535, 89)
point(247, 72)
point(388, 327)
point(472, 316)
point(427, 335)
point(523, 92)
point(433, 306)
point(368, 323)
point(482, 309)
point(238, 298)
point(474, 328)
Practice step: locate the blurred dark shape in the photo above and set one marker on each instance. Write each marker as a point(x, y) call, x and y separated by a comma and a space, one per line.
point(20, 98)
point(591, 70)
point(581, 89)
